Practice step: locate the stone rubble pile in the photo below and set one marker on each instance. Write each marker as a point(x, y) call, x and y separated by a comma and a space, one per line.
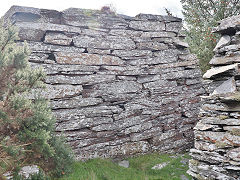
point(118, 85)
point(216, 154)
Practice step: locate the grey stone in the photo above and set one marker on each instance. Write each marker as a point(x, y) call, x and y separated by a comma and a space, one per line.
point(124, 163)
point(177, 42)
point(38, 47)
point(158, 17)
point(147, 25)
point(92, 19)
point(228, 86)
point(57, 38)
point(75, 103)
point(224, 41)
point(123, 54)
point(183, 177)
point(222, 60)
point(26, 171)
point(58, 91)
point(227, 24)
point(174, 26)
point(151, 46)
point(87, 59)
point(109, 42)
point(160, 166)
point(219, 70)
point(160, 34)
point(79, 80)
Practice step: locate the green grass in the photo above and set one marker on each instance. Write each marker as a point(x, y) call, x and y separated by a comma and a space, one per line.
point(139, 169)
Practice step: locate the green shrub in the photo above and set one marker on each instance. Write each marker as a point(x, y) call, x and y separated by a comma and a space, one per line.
point(27, 127)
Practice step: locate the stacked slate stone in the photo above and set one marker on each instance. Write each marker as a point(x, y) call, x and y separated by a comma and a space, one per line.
point(118, 85)
point(217, 135)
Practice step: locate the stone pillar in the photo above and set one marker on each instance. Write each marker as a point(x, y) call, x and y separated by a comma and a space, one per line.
point(216, 154)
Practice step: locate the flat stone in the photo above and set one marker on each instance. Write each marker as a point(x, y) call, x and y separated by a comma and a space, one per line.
point(64, 69)
point(228, 24)
point(216, 121)
point(203, 127)
point(159, 34)
point(58, 91)
point(87, 59)
point(158, 17)
point(124, 54)
point(57, 38)
point(92, 19)
point(109, 42)
point(39, 47)
point(48, 27)
point(222, 137)
point(226, 87)
point(219, 70)
point(99, 51)
point(75, 103)
point(80, 80)
point(224, 41)
point(178, 43)
point(160, 166)
point(174, 26)
point(211, 157)
point(147, 25)
point(125, 33)
point(124, 163)
point(116, 89)
point(151, 46)
point(234, 154)
point(222, 60)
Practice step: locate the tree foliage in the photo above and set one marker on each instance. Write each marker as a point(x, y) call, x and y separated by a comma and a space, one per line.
point(201, 16)
point(27, 126)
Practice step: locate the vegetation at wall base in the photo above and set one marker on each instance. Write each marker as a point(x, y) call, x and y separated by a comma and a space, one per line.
point(27, 126)
point(201, 16)
point(139, 168)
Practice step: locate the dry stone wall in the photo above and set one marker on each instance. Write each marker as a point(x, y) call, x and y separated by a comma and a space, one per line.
point(118, 85)
point(217, 135)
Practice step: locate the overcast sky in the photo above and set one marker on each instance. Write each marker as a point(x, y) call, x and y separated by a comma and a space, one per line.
point(127, 7)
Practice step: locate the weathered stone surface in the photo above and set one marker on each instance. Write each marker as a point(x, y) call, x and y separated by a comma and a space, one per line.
point(57, 38)
point(161, 34)
point(224, 60)
point(75, 103)
point(38, 47)
point(177, 42)
point(123, 54)
point(92, 19)
point(109, 42)
point(174, 26)
point(79, 80)
point(87, 59)
point(151, 46)
point(59, 91)
point(158, 17)
point(219, 70)
point(234, 154)
point(224, 41)
point(228, 86)
point(118, 85)
point(147, 25)
point(228, 24)
point(124, 163)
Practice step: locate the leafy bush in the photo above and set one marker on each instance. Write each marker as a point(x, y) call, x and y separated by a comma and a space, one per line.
point(26, 125)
